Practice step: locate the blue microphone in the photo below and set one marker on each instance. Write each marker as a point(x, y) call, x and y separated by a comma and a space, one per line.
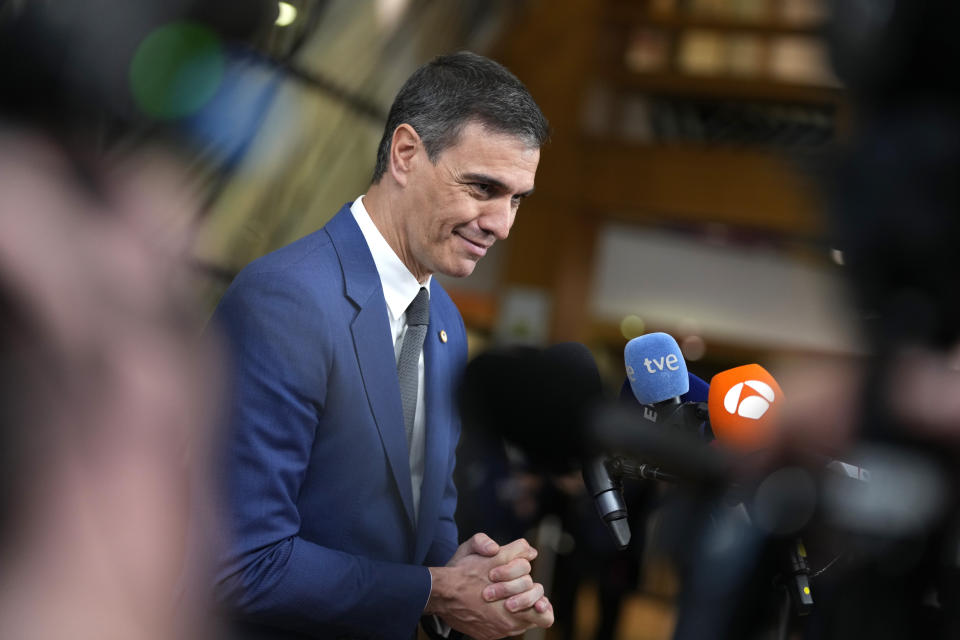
point(658, 378)
point(699, 390)
point(656, 369)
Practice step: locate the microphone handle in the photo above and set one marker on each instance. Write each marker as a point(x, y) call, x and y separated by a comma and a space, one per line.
point(688, 417)
point(607, 493)
point(657, 412)
point(625, 468)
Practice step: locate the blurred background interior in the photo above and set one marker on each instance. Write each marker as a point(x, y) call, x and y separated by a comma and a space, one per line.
point(681, 190)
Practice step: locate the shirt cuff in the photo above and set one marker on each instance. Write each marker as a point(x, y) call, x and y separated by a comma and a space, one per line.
point(439, 626)
point(442, 628)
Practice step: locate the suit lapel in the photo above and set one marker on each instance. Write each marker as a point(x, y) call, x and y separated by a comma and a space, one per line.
point(371, 341)
point(437, 368)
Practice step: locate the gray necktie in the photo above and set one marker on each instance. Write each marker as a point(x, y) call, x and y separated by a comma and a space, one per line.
point(418, 317)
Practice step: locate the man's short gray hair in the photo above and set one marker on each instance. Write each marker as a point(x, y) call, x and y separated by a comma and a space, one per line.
point(450, 91)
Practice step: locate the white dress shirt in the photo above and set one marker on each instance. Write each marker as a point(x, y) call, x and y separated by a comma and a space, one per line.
point(400, 287)
point(399, 290)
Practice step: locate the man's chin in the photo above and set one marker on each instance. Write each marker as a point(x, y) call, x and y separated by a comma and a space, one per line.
point(461, 269)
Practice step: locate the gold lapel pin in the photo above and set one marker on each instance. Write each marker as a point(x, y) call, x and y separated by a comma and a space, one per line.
point(443, 336)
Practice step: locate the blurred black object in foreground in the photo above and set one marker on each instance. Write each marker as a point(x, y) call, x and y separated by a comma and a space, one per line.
point(70, 62)
point(895, 210)
point(536, 399)
point(886, 51)
point(895, 199)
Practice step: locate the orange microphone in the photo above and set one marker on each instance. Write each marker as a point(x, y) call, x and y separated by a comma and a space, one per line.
point(744, 406)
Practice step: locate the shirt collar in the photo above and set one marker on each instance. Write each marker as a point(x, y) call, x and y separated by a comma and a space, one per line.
point(400, 287)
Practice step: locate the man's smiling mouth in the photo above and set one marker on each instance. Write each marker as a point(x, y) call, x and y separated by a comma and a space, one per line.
point(478, 248)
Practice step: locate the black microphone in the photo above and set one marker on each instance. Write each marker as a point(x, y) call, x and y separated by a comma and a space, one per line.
point(606, 490)
point(534, 399)
point(540, 401)
point(669, 448)
point(572, 364)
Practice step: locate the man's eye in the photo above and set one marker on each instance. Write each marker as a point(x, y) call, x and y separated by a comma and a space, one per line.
point(482, 187)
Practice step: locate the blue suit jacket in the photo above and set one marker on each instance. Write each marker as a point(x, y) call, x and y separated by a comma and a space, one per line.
point(318, 492)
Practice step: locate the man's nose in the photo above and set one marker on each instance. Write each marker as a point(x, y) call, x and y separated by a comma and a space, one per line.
point(498, 217)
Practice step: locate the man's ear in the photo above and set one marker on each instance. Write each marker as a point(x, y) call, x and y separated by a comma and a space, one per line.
point(403, 149)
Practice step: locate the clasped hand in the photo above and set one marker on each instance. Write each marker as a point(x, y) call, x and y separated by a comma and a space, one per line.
point(486, 591)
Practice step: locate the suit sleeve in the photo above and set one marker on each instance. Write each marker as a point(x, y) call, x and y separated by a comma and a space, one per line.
point(445, 542)
point(269, 575)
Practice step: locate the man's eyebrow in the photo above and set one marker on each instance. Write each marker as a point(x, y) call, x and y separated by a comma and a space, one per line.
point(485, 179)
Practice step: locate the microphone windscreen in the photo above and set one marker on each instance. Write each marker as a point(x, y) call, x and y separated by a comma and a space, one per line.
point(537, 400)
point(699, 389)
point(744, 405)
point(655, 368)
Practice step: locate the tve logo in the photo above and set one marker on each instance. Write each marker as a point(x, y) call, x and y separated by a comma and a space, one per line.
point(749, 406)
point(744, 404)
point(669, 362)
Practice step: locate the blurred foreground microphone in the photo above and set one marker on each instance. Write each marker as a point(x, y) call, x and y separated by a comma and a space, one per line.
point(744, 404)
point(540, 401)
point(537, 400)
point(607, 492)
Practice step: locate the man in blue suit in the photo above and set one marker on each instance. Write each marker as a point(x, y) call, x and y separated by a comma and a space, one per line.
point(339, 461)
